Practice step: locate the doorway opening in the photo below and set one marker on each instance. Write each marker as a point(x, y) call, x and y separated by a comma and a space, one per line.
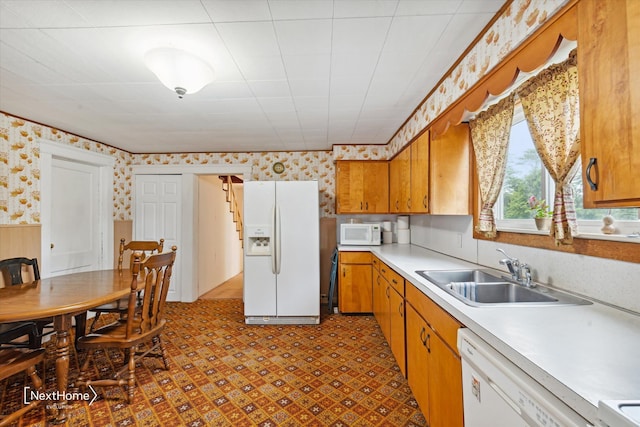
point(220, 238)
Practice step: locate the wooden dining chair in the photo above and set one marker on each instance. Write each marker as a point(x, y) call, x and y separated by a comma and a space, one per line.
point(12, 272)
point(15, 361)
point(145, 248)
point(19, 335)
point(139, 333)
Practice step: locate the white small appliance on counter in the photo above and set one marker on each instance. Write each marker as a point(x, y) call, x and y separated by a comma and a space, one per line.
point(360, 234)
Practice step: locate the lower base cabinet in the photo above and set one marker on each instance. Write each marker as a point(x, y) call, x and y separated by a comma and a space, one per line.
point(434, 367)
point(389, 309)
point(354, 282)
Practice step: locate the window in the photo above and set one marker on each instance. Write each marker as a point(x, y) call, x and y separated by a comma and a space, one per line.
point(526, 176)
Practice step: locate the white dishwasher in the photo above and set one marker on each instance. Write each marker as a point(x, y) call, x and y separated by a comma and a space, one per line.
point(498, 393)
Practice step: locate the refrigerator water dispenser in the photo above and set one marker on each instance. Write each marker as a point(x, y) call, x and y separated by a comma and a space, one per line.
point(258, 240)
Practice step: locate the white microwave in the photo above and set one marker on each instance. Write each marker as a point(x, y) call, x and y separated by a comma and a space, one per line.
point(360, 234)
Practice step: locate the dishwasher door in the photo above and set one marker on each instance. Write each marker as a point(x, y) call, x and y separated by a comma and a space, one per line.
point(483, 405)
point(498, 393)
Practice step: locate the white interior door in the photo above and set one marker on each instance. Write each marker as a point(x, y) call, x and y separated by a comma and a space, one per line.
point(76, 243)
point(158, 216)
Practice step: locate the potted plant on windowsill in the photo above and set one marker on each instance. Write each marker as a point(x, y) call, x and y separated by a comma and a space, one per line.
point(542, 213)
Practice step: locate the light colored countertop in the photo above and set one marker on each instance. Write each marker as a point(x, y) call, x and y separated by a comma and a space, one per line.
point(580, 353)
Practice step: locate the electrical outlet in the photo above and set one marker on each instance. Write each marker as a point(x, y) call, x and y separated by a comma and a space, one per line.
point(459, 239)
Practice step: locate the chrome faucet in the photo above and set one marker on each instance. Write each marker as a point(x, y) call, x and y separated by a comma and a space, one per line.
point(520, 272)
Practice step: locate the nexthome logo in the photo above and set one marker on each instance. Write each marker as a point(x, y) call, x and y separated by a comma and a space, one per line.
point(30, 395)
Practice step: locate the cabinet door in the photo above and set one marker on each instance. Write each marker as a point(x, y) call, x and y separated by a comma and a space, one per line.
point(380, 301)
point(420, 174)
point(445, 368)
point(395, 172)
point(349, 187)
point(450, 176)
point(397, 325)
point(418, 359)
point(608, 67)
point(400, 182)
point(376, 187)
point(354, 289)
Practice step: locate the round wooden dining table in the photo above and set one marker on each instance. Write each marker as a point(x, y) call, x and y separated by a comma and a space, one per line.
point(62, 297)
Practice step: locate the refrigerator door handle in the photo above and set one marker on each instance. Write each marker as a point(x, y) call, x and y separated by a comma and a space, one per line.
point(273, 240)
point(278, 241)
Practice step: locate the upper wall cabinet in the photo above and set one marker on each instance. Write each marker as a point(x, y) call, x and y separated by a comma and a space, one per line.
point(362, 186)
point(409, 178)
point(400, 181)
point(419, 201)
point(450, 178)
point(608, 68)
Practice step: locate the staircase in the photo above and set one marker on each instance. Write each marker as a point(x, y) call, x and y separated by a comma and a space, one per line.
point(227, 186)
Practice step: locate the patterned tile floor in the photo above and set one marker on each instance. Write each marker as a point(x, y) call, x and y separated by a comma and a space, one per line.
point(226, 373)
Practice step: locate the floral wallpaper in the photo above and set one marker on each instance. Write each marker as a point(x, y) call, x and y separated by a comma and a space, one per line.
point(298, 166)
point(19, 150)
point(519, 21)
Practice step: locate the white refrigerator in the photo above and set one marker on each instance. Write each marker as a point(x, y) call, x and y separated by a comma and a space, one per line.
point(281, 252)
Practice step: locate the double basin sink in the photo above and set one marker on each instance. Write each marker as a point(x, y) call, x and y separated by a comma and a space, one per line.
point(480, 287)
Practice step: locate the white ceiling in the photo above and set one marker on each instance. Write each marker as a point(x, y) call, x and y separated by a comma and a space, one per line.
point(290, 74)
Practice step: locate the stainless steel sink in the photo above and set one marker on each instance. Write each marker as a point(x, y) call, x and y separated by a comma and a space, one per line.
point(479, 287)
point(442, 278)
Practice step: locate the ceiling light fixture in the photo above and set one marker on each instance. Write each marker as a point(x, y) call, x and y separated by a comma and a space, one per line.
point(180, 71)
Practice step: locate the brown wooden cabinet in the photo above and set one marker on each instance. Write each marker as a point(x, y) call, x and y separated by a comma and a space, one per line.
point(389, 309)
point(400, 181)
point(434, 368)
point(380, 301)
point(362, 186)
point(608, 68)
point(397, 341)
point(450, 184)
point(409, 178)
point(354, 282)
point(420, 174)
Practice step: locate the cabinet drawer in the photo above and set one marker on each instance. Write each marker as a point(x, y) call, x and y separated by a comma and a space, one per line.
point(376, 262)
point(355, 257)
point(440, 321)
point(396, 280)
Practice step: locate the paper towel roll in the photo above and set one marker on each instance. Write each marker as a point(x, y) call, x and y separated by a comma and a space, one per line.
point(386, 226)
point(387, 237)
point(404, 236)
point(403, 222)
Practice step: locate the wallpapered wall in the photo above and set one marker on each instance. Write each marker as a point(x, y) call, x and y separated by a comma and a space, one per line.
point(19, 150)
